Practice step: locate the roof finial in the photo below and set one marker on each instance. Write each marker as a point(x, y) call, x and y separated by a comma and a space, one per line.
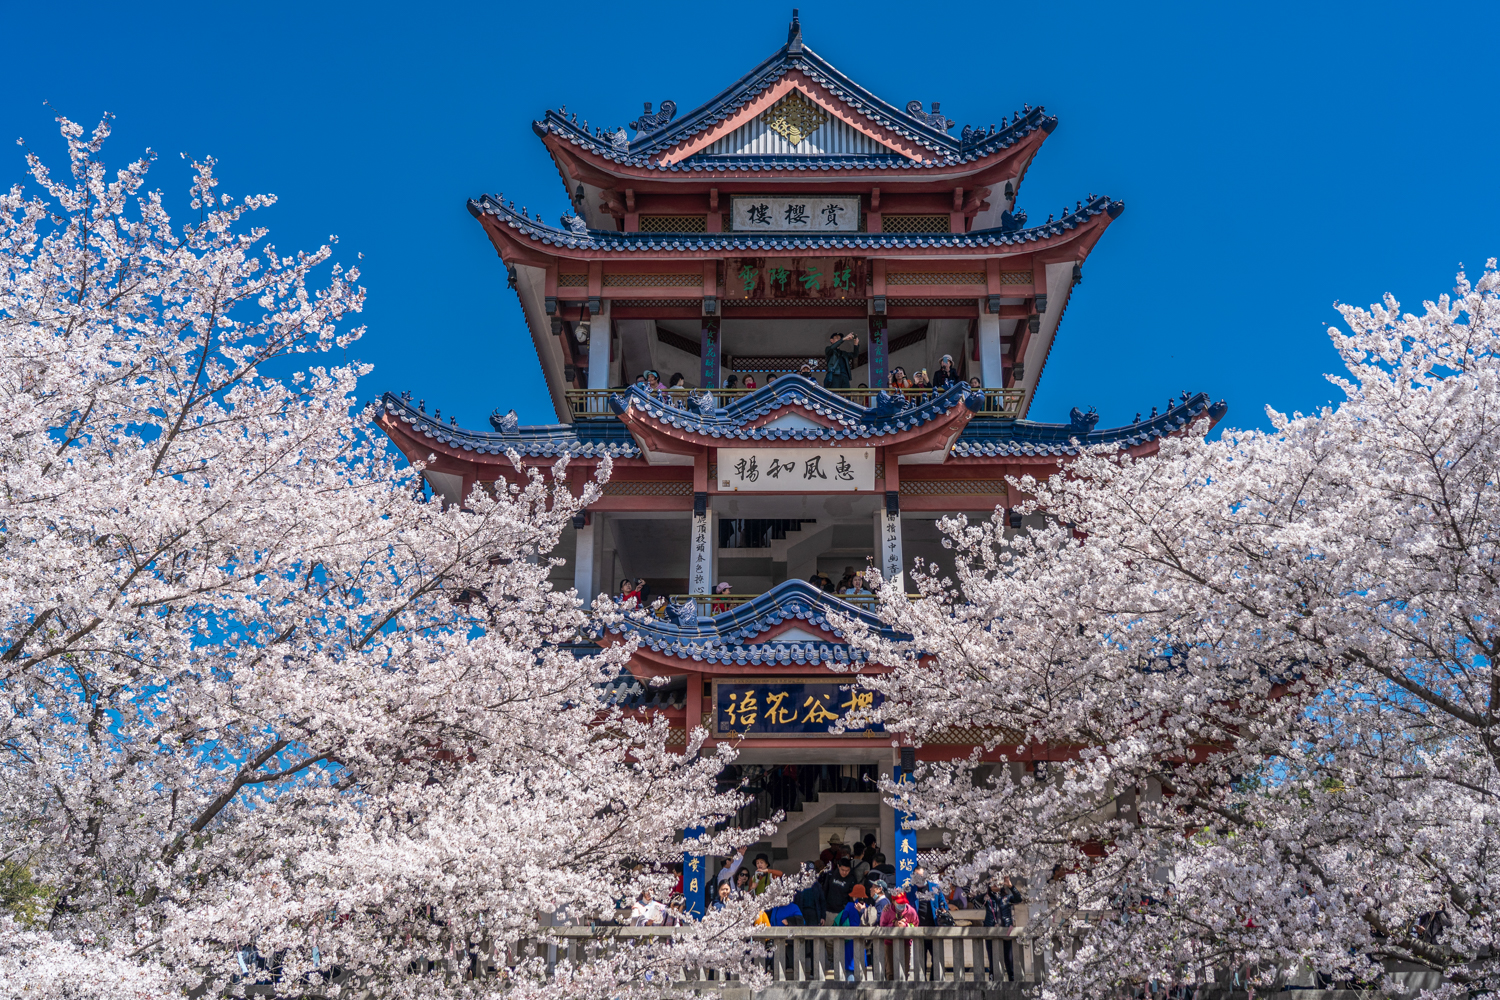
point(794, 33)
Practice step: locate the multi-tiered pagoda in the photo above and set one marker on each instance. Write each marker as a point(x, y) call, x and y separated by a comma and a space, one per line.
point(733, 240)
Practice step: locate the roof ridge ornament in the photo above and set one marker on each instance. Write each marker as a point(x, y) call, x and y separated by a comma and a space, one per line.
point(649, 122)
point(1083, 422)
point(935, 118)
point(794, 35)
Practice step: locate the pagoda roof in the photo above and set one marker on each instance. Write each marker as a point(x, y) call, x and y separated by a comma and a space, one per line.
point(759, 416)
point(659, 135)
point(979, 439)
point(1025, 438)
point(747, 634)
point(584, 439)
point(577, 237)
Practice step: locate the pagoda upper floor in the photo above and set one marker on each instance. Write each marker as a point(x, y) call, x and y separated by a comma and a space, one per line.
point(794, 122)
point(724, 248)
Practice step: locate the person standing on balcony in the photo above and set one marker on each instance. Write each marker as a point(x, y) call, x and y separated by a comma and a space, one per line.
point(919, 385)
point(852, 915)
point(926, 896)
point(944, 376)
point(726, 893)
point(721, 605)
point(647, 912)
point(839, 359)
point(727, 873)
point(879, 901)
point(654, 386)
point(837, 884)
point(676, 914)
point(999, 911)
point(835, 841)
point(764, 873)
point(861, 866)
point(749, 381)
point(810, 899)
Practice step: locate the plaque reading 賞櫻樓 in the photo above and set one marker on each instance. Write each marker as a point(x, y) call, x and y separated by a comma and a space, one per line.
point(797, 213)
point(796, 470)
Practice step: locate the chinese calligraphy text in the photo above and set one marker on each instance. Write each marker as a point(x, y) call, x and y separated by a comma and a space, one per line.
point(796, 470)
point(787, 707)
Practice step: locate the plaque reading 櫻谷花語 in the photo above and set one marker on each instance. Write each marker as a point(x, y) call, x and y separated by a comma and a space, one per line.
point(796, 470)
point(788, 708)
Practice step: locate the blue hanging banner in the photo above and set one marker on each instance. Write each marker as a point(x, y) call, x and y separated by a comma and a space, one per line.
point(694, 871)
point(906, 840)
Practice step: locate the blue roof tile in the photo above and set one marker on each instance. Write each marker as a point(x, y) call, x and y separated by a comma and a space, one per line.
point(888, 415)
point(585, 439)
point(733, 636)
point(605, 240)
point(998, 438)
point(919, 127)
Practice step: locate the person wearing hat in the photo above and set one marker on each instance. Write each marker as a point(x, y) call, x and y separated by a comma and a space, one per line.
point(944, 375)
point(654, 386)
point(835, 841)
point(760, 881)
point(722, 587)
point(806, 368)
point(852, 915)
point(900, 913)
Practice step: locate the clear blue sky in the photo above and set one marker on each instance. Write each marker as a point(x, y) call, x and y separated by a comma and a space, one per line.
point(1272, 157)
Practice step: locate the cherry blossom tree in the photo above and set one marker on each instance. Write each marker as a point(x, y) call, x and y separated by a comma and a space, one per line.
point(1259, 674)
point(271, 713)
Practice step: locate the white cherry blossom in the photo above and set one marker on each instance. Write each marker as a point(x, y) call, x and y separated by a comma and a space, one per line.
point(264, 698)
point(1263, 668)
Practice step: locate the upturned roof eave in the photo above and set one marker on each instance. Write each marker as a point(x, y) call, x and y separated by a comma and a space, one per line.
point(533, 236)
point(750, 420)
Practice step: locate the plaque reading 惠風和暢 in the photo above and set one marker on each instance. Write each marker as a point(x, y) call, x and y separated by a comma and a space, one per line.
point(796, 470)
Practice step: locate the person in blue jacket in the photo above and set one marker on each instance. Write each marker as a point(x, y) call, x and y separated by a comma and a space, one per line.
point(852, 915)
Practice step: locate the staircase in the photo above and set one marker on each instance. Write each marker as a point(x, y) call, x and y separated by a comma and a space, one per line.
point(796, 555)
point(829, 801)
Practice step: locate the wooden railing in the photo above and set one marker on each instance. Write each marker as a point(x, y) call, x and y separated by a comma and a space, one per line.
point(812, 955)
point(999, 404)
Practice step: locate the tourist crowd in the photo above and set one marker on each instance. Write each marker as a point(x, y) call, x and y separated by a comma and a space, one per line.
point(848, 885)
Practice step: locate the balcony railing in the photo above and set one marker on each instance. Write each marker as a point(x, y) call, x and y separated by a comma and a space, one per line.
point(812, 955)
point(714, 604)
point(999, 404)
